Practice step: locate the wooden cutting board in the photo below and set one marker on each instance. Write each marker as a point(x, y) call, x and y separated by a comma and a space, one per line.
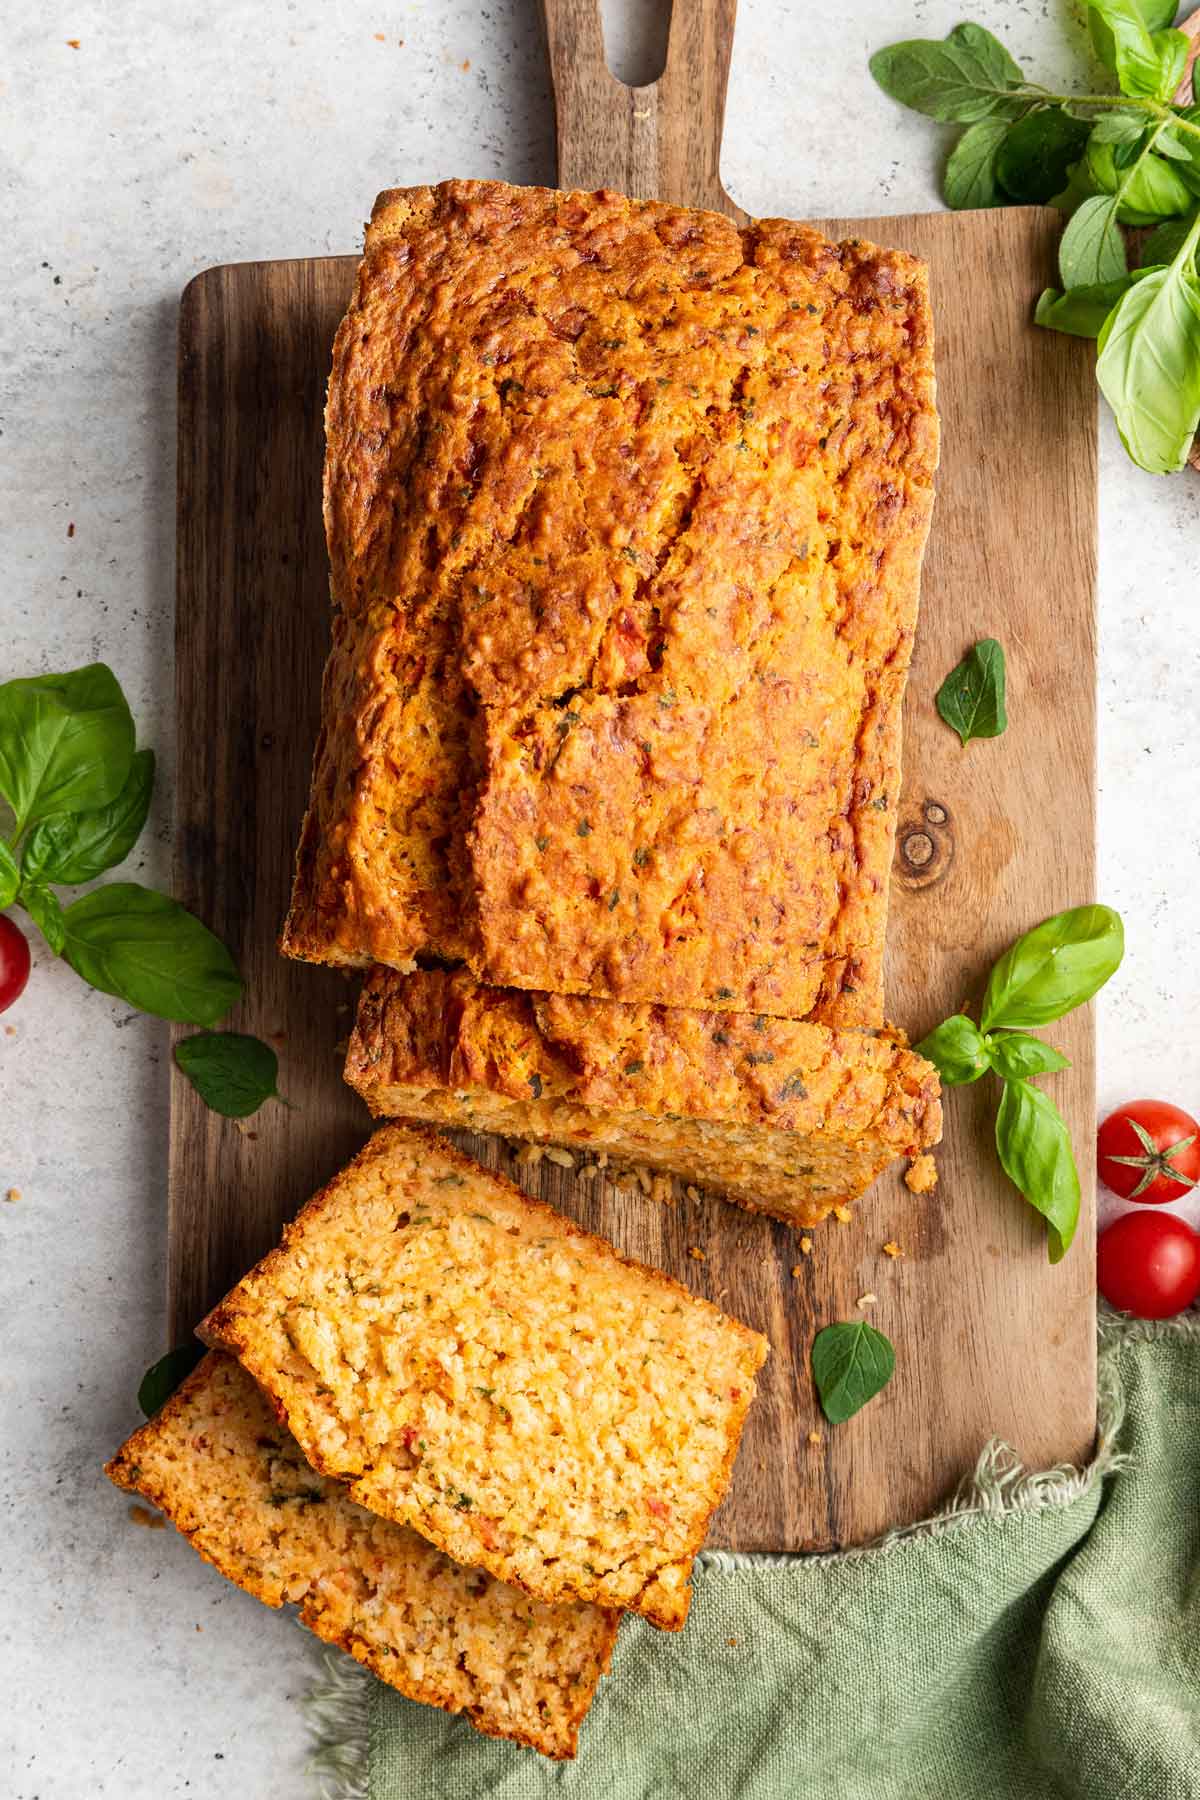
point(989, 1338)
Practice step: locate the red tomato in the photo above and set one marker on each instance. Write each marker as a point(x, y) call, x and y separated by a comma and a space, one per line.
point(1149, 1152)
point(1148, 1264)
point(14, 962)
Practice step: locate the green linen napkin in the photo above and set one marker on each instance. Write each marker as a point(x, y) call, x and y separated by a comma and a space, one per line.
point(1041, 1639)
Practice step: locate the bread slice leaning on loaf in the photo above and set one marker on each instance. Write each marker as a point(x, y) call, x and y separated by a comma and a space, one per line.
point(785, 1118)
point(477, 1367)
point(231, 1478)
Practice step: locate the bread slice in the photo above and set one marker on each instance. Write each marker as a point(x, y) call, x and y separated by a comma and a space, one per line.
point(786, 1119)
point(626, 507)
point(479, 1368)
point(229, 1476)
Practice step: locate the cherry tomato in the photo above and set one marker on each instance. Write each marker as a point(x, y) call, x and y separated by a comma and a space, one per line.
point(1149, 1152)
point(1148, 1264)
point(14, 962)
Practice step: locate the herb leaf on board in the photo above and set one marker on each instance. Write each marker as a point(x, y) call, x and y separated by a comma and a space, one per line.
point(958, 1050)
point(66, 742)
point(1015, 1056)
point(1092, 250)
point(1082, 310)
point(72, 848)
point(163, 1377)
point(1034, 1147)
point(971, 699)
point(851, 1362)
point(1054, 968)
point(232, 1072)
point(1149, 363)
point(129, 941)
point(961, 79)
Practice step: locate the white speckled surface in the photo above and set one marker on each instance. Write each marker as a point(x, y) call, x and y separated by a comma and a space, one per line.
point(175, 137)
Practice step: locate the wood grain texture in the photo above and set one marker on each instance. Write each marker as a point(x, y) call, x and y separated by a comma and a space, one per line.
point(989, 1338)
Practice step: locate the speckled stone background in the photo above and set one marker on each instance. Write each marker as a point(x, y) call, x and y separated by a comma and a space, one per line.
point(171, 137)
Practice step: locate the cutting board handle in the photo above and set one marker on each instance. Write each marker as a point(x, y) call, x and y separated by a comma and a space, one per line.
point(660, 142)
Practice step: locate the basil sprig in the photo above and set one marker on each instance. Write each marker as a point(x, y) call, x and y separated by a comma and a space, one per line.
point(851, 1362)
point(1048, 972)
point(79, 794)
point(1124, 158)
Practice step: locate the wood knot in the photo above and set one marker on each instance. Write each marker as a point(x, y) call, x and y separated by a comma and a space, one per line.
point(924, 845)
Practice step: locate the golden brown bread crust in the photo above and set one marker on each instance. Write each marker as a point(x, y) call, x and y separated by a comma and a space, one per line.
point(233, 1481)
point(479, 1368)
point(625, 510)
point(786, 1118)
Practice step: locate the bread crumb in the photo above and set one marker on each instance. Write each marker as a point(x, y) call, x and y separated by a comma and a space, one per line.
point(867, 1300)
point(922, 1175)
point(662, 1188)
point(814, 1437)
point(12, 1194)
point(732, 1642)
point(806, 1245)
point(842, 1214)
point(72, 43)
point(696, 1253)
point(563, 1158)
point(693, 1194)
point(643, 1179)
point(892, 1250)
point(530, 1155)
point(465, 64)
point(795, 1270)
point(379, 38)
point(141, 1515)
point(10, 1031)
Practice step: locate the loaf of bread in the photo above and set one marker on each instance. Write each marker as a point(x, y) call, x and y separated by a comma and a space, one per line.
point(786, 1118)
point(477, 1367)
point(625, 509)
point(222, 1468)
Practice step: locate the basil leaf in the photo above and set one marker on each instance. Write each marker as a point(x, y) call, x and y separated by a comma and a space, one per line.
point(1054, 968)
point(232, 1073)
point(1037, 153)
point(76, 847)
point(129, 941)
point(1092, 250)
point(43, 908)
point(10, 876)
point(1081, 311)
point(970, 178)
point(961, 79)
point(1154, 190)
point(971, 699)
point(1148, 64)
point(66, 742)
point(1165, 242)
point(1016, 1055)
point(957, 1050)
point(163, 1377)
point(850, 1364)
point(1149, 364)
point(1119, 128)
point(1035, 1152)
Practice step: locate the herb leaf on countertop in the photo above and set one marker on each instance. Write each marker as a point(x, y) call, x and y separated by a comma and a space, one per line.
point(971, 699)
point(965, 78)
point(232, 1072)
point(76, 847)
point(851, 1363)
point(10, 876)
point(1149, 362)
point(141, 946)
point(66, 742)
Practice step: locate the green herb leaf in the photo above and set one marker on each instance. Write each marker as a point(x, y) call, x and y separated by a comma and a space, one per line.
point(1036, 155)
point(957, 1050)
point(850, 1364)
point(1016, 1055)
point(971, 699)
point(1166, 241)
point(1081, 311)
point(1144, 193)
point(163, 1377)
point(76, 847)
point(1034, 1147)
point(66, 742)
point(232, 1073)
point(1119, 128)
point(1052, 969)
point(1092, 250)
point(43, 908)
point(963, 78)
point(970, 178)
point(146, 949)
point(1149, 363)
point(1147, 62)
point(10, 876)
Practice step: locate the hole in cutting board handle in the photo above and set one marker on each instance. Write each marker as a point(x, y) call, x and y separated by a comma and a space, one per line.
point(635, 38)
